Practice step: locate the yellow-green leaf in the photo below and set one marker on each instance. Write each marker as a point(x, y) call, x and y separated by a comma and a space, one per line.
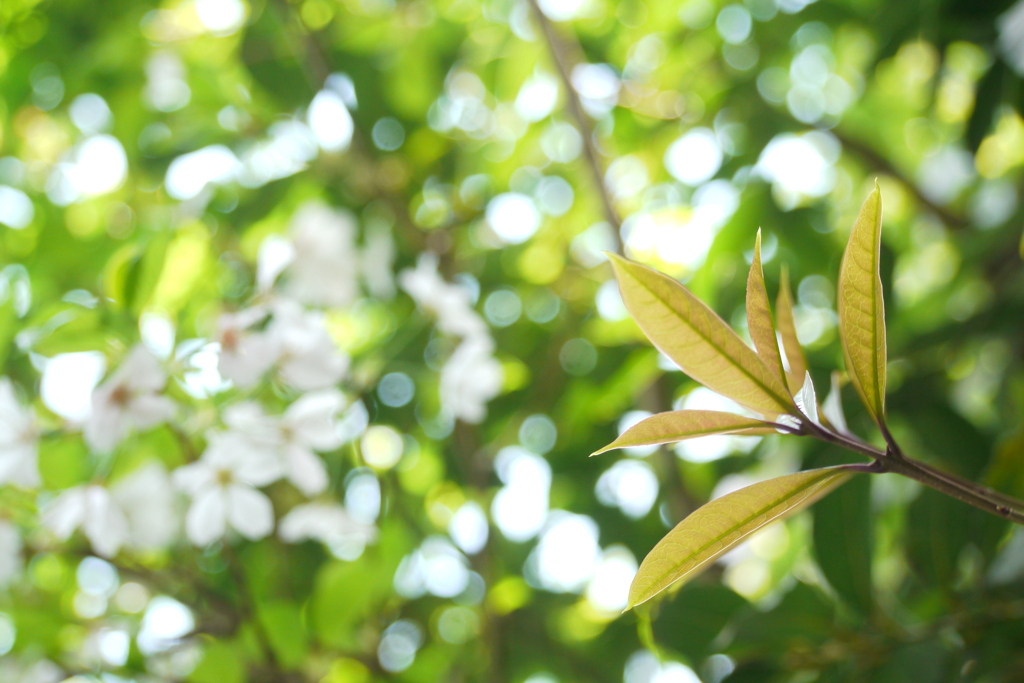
point(861, 309)
point(700, 342)
point(759, 316)
point(715, 528)
point(787, 331)
point(678, 425)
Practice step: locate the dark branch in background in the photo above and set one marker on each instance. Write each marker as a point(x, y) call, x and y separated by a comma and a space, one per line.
point(658, 398)
point(315, 65)
point(875, 160)
point(563, 64)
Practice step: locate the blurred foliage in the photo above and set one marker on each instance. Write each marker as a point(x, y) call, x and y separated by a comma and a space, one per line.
point(710, 119)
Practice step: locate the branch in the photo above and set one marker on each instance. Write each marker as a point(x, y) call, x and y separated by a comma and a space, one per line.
point(316, 66)
point(893, 460)
point(560, 56)
point(875, 160)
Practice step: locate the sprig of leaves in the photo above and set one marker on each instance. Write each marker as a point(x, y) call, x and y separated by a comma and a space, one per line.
point(775, 383)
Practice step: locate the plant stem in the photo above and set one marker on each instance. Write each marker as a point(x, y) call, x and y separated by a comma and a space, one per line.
point(893, 460)
point(847, 442)
point(560, 56)
point(984, 499)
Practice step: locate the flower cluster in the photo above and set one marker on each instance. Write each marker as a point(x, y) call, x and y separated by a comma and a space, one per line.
point(472, 376)
point(280, 393)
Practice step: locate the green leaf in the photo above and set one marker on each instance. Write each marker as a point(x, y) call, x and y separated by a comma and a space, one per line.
point(691, 334)
point(282, 623)
point(924, 662)
point(719, 525)
point(678, 425)
point(805, 617)
point(861, 309)
point(938, 528)
point(221, 663)
point(759, 316)
point(844, 542)
point(787, 331)
point(691, 621)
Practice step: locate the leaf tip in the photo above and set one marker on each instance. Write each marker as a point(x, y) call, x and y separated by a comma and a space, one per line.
point(617, 262)
point(612, 256)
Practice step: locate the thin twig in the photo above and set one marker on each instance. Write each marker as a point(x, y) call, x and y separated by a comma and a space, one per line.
point(563, 64)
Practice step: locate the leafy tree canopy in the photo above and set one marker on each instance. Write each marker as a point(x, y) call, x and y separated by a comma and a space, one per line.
point(308, 326)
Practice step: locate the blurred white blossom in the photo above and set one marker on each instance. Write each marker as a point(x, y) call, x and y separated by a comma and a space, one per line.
point(146, 496)
point(319, 258)
point(376, 263)
point(1011, 36)
point(328, 523)
point(19, 439)
point(222, 487)
point(92, 508)
point(450, 304)
point(28, 670)
point(276, 253)
point(295, 339)
point(309, 424)
point(471, 378)
point(307, 356)
point(244, 354)
point(129, 399)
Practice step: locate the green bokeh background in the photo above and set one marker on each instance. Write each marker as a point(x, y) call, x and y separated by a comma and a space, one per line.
point(879, 582)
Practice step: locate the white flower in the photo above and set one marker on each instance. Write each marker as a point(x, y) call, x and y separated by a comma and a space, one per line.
point(450, 304)
point(147, 499)
point(376, 263)
point(471, 378)
point(307, 425)
point(320, 261)
point(276, 253)
point(222, 486)
point(328, 523)
point(27, 669)
point(11, 562)
point(244, 355)
point(307, 356)
point(130, 398)
point(1011, 29)
point(19, 440)
point(92, 508)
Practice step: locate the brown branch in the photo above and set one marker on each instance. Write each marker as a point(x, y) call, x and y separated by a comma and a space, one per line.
point(656, 399)
point(316, 66)
point(892, 459)
point(563, 64)
point(877, 161)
